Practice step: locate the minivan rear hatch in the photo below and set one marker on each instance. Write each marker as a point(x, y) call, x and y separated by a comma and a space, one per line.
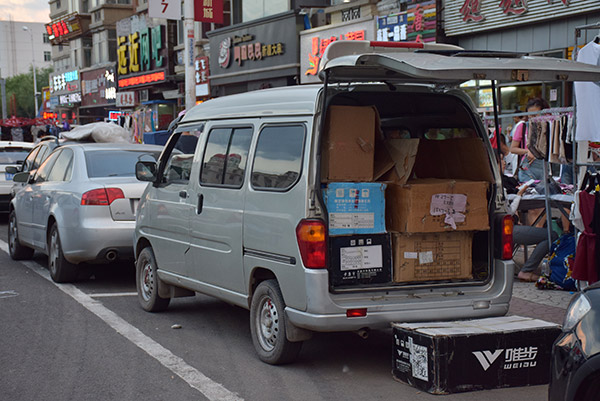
point(363, 61)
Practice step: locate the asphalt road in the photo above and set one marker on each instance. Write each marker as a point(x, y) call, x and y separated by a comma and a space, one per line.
point(91, 341)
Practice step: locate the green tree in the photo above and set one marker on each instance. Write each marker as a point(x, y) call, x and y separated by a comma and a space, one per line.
point(20, 87)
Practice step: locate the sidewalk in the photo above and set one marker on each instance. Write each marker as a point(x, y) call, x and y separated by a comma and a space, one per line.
point(527, 300)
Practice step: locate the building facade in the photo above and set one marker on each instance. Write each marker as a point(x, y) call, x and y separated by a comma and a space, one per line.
point(18, 46)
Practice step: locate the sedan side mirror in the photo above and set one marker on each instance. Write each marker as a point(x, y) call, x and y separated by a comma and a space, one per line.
point(145, 171)
point(21, 177)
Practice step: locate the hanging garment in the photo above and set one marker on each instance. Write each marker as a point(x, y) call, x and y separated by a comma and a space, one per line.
point(585, 257)
point(587, 95)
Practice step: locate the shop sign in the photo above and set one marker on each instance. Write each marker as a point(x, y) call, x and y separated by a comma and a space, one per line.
point(49, 116)
point(421, 18)
point(168, 9)
point(246, 48)
point(144, 79)
point(201, 75)
point(70, 98)
point(268, 46)
point(392, 28)
point(65, 82)
point(313, 44)
point(125, 99)
point(98, 86)
point(208, 11)
point(140, 51)
point(64, 28)
point(468, 16)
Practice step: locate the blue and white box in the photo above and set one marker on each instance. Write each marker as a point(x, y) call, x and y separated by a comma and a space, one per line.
point(355, 207)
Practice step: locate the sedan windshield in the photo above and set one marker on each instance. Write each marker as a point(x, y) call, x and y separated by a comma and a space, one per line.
point(13, 155)
point(116, 163)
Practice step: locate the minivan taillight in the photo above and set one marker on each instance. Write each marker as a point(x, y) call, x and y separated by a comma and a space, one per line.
point(506, 237)
point(311, 236)
point(101, 196)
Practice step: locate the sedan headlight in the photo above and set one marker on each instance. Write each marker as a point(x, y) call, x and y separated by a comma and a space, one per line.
point(577, 310)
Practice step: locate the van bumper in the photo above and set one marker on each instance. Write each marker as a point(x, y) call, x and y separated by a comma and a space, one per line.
point(327, 312)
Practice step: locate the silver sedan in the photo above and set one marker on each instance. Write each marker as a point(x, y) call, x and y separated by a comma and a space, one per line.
point(79, 206)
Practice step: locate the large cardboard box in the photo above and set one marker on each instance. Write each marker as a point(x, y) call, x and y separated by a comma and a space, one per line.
point(432, 256)
point(436, 205)
point(360, 259)
point(450, 357)
point(355, 207)
point(349, 143)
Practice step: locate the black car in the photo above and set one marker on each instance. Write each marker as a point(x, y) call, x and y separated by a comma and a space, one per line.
point(575, 373)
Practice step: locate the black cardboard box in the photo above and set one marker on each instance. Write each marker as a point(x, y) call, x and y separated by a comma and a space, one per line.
point(360, 259)
point(451, 357)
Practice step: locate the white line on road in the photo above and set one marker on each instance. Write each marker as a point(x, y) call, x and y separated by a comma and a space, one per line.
point(113, 294)
point(196, 379)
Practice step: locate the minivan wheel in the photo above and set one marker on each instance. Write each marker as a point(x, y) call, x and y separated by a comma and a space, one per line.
point(61, 270)
point(146, 281)
point(16, 250)
point(267, 324)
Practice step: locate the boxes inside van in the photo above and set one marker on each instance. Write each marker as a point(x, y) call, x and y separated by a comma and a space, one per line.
point(437, 178)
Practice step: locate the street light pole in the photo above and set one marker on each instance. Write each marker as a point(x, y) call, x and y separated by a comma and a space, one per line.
point(25, 28)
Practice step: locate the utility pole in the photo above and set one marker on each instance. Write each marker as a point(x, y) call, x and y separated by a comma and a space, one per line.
point(3, 90)
point(188, 29)
point(25, 28)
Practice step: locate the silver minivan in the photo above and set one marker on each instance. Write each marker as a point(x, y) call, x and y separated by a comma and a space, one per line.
point(237, 208)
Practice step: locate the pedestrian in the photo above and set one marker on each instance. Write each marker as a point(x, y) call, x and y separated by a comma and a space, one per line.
point(529, 166)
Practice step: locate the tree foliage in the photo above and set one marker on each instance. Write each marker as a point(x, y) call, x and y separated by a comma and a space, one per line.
point(20, 88)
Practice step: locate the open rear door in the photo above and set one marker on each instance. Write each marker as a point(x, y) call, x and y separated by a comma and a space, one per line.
point(363, 61)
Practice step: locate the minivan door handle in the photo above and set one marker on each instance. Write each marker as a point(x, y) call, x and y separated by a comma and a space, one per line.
point(200, 203)
point(183, 194)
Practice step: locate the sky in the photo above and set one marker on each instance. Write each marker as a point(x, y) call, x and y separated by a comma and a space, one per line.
point(25, 10)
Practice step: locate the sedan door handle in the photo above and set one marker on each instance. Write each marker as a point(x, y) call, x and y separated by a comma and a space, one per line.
point(200, 203)
point(183, 194)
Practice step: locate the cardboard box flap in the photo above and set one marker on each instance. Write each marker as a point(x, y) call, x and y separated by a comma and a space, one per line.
point(404, 153)
point(383, 160)
point(462, 158)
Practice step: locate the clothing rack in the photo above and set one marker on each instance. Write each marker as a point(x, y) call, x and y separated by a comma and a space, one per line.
point(576, 164)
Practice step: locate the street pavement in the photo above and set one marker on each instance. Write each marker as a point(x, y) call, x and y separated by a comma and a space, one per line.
point(548, 305)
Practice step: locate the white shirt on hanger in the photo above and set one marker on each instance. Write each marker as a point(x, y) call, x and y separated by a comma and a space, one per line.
point(587, 95)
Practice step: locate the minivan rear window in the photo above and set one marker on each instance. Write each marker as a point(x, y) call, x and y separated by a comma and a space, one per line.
point(278, 157)
point(116, 163)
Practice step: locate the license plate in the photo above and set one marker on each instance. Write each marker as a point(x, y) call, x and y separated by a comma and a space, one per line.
point(8, 176)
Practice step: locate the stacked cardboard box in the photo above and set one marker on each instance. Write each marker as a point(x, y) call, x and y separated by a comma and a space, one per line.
point(435, 194)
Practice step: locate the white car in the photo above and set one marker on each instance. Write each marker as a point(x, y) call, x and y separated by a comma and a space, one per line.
point(12, 153)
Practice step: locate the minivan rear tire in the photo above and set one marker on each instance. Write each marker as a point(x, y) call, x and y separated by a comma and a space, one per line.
point(146, 282)
point(268, 325)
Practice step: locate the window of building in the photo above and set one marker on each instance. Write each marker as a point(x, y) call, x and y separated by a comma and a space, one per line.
point(46, 38)
point(225, 157)
point(254, 9)
point(278, 157)
point(47, 56)
point(58, 5)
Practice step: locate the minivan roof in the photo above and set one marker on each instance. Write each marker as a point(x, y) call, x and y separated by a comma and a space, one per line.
point(259, 103)
point(361, 61)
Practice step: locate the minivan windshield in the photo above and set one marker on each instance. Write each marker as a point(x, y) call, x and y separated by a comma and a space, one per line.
point(116, 163)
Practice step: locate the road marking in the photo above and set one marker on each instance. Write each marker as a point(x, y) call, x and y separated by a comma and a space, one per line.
point(113, 294)
point(196, 379)
point(8, 294)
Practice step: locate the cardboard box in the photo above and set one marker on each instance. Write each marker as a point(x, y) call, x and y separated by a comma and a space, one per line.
point(360, 259)
point(450, 357)
point(436, 256)
point(437, 205)
point(349, 143)
point(355, 207)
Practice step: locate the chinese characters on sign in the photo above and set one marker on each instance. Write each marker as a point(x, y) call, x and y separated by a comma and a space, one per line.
point(142, 79)
point(247, 51)
point(140, 51)
point(125, 99)
point(60, 29)
point(201, 75)
point(101, 84)
point(516, 7)
point(392, 28)
point(208, 11)
point(319, 45)
point(471, 11)
point(67, 81)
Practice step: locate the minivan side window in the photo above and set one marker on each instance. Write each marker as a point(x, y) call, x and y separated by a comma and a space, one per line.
point(179, 167)
point(278, 157)
point(226, 156)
